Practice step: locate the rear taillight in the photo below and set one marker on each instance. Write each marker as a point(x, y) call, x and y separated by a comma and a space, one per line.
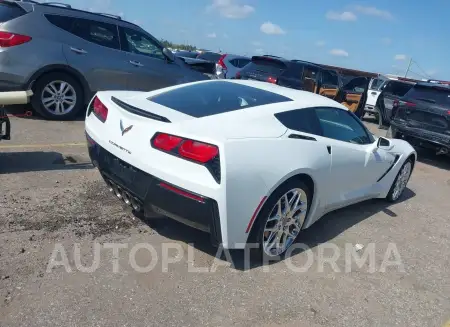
point(10, 39)
point(100, 110)
point(272, 80)
point(199, 152)
point(221, 63)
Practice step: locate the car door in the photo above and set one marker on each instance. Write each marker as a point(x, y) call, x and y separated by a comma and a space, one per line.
point(356, 161)
point(353, 95)
point(149, 66)
point(329, 85)
point(93, 49)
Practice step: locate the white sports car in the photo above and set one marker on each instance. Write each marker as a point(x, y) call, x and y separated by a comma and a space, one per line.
point(246, 161)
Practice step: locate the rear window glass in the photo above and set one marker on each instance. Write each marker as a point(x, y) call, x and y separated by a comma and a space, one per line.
point(270, 66)
point(398, 88)
point(210, 56)
point(436, 95)
point(9, 11)
point(215, 97)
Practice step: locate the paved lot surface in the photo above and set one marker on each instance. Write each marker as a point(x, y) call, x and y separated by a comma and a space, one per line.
point(50, 195)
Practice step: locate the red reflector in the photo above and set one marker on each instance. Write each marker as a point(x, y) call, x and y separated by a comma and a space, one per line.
point(198, 151)
point(182, 192)
point(271, 79)
point(166, 142)
point(255, 214)
point(100, 110)
point(10, 39)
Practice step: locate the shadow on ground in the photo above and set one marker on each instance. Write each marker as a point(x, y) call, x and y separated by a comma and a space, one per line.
point(19, 162)
point(324, 230)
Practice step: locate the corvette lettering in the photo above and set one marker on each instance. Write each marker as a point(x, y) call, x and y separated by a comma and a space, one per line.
point(120, 147)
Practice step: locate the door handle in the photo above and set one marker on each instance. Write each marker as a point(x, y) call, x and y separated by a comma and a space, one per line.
point(79, 51)
point(136, 63)
point(374, 93)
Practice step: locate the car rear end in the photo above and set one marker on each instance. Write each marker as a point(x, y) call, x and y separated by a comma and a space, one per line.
point(263, 68)
point(229, 65)
point(147, 164)
point(422, 117)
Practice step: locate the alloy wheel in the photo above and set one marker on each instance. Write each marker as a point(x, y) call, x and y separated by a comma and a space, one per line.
point(58, 97)
point(402, 180)
point(285, 222)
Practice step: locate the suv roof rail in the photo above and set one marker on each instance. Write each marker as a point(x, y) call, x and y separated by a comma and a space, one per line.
point(30, 1)
point(61, 4)
point(109, 15)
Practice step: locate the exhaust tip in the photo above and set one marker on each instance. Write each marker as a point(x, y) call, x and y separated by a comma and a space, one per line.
point(135, 204)
point(118, 192)
point(126, 198)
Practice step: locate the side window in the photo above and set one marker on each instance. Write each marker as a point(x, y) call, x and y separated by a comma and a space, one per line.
point(97, 32)
point(63, 22)
point(329, 78)
point(343, 126)
point(139, 43)
point(294, 71)
point(243, 62)
point(400, 89)
point(234, 62)
point(310, 73)
point(302, 120)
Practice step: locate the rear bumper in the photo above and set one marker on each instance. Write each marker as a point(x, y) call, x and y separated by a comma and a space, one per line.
point(370, 108)
point(5, 126)
point(156, 195)
point(420, 137)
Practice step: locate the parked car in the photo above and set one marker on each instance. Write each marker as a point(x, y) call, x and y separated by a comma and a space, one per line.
point(75, 53)
point(302, 75)
point(201, 65)
point(229, 64)
point(422, 117)
point(247, 162)
point(390, 91)
point(375, 88)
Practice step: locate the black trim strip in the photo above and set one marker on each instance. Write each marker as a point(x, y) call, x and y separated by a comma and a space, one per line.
point(390, 168)
point(138, 111)
point(301, 137)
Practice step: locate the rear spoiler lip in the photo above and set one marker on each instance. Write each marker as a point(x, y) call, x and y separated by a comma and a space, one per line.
point(138, 111)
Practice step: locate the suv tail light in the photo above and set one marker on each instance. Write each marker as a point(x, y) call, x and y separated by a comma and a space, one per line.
point(100, 110)
point(272, 80)
point(10, 39)
point(199, 152)
point(221, 63)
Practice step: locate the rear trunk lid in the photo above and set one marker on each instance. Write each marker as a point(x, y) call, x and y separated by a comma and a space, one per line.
point(263, 68)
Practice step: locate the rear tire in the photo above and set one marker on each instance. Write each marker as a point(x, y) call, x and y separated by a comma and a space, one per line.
point(57, 96)
point(287, 227)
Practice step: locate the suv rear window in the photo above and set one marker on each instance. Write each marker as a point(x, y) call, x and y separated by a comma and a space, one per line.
point(210, 56)
point(266, 65)
point(437, 95)
point(215, 97)
point(10, 11)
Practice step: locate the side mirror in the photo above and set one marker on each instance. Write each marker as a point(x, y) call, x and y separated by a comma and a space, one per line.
point(384, 143)
point(169, 54)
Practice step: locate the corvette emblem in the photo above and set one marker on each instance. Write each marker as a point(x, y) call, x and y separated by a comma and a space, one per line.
point(124, 130)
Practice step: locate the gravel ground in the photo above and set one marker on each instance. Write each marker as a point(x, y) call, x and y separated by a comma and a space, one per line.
point(51, 198)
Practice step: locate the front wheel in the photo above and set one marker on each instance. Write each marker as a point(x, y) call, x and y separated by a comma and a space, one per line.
point(57, 96)
point(400, 181)
point(281, 219)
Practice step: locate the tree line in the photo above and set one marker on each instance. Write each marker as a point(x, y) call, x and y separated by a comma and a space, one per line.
point(172, 45)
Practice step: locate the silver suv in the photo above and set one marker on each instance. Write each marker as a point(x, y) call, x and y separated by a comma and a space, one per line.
point(65, 55)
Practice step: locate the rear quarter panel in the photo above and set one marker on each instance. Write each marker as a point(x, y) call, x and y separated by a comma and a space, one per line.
point(256, 167)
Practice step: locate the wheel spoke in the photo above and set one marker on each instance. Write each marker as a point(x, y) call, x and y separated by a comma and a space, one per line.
point(46, 100)
point(62, 87)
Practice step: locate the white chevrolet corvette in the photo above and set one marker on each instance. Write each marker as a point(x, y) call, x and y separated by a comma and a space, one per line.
point(246, 161)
